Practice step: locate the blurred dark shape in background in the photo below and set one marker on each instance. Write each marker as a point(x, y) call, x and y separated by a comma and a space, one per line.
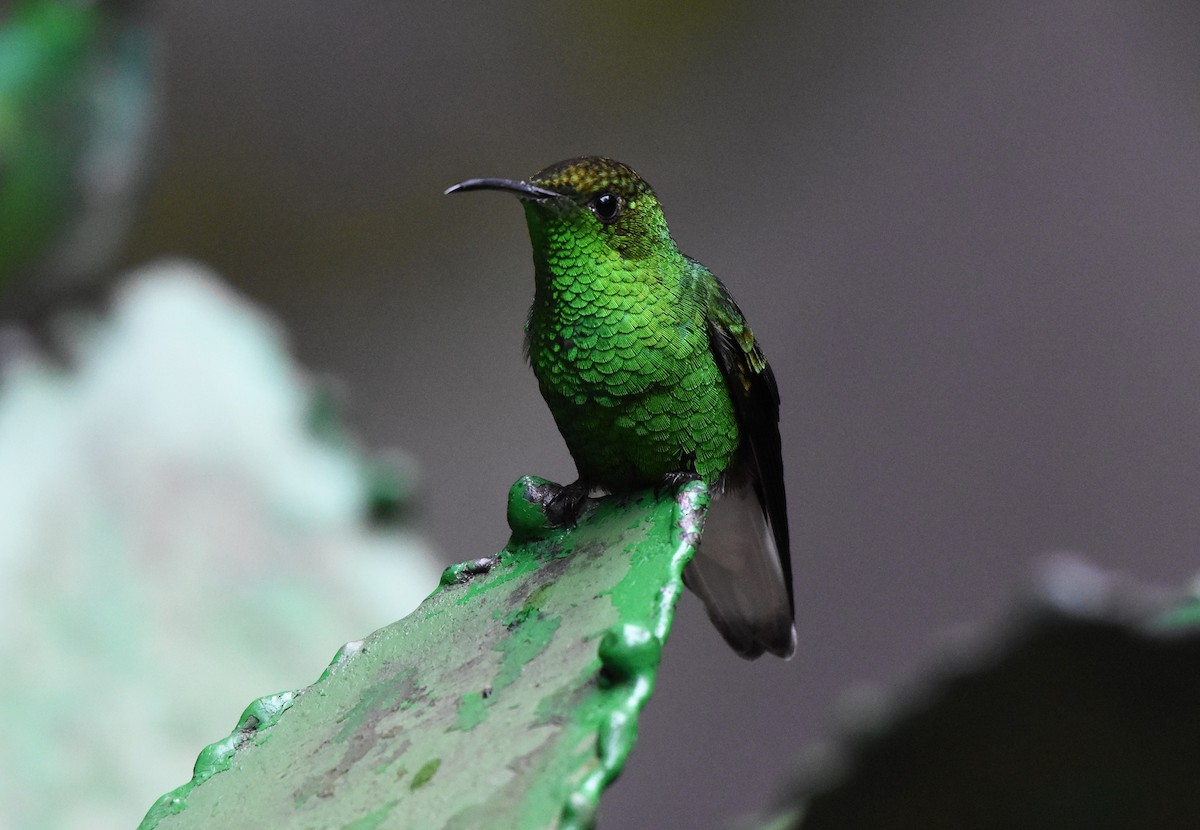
point(1078, 711)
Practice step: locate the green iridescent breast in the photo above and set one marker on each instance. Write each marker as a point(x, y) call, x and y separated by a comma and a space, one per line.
point(621, 353)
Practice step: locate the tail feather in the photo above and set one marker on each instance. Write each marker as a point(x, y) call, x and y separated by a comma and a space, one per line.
point(737, 573)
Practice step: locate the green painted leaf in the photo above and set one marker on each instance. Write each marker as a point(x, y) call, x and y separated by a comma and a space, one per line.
point(509, 698)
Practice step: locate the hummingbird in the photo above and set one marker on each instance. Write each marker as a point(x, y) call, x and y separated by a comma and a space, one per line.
point(654, 379)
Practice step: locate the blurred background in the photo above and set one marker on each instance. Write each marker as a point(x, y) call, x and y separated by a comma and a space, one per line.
point(966, 235)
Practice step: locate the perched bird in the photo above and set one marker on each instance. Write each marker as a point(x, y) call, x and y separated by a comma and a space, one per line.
point(654, 379)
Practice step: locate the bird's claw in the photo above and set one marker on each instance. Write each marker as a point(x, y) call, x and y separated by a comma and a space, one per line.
point(466, 571)
point(563, 507)
point(672, 482)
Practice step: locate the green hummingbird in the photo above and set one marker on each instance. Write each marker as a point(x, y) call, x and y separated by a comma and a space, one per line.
point(654, 379)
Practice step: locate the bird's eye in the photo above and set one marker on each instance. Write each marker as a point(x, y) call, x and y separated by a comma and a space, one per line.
point(607, 207)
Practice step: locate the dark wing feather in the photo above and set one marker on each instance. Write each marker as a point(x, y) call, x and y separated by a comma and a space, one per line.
point(755, 397)
point(742, 568)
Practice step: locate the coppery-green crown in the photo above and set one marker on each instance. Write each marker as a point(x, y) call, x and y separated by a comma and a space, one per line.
point(589, 175)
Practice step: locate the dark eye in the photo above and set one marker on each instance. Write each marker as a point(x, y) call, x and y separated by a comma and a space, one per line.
point(607, 207)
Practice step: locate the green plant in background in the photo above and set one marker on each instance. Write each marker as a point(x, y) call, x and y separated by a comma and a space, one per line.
point(182, 529)
point(76, 114)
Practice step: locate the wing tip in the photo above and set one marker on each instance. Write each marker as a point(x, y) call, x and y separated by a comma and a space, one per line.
point(739, 575)
point(751, 645)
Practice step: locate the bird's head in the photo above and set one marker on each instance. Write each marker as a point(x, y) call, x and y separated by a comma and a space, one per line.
point(590, 207)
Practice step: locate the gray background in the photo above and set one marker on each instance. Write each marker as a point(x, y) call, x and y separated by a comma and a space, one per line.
point(965, 233)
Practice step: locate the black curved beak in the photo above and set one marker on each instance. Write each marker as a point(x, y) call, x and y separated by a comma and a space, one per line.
point(522, 189)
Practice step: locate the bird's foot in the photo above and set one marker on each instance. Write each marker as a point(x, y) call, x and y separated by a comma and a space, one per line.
point(563, 507)
point(673, 482)
point(537, 506)
point(466, 571)
point(691, 509)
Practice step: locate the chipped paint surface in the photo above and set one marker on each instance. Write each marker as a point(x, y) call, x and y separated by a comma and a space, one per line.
point(508, 698)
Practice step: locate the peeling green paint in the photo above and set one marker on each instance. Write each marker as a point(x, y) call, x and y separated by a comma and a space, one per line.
point(217, 757)
point(373, 820)
point(425, 774)
point(531, 632)
point(343, 654)
point(513, 691)
point(526, 518)
point(629, 651)
point(465, 571)
point(472, 711)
